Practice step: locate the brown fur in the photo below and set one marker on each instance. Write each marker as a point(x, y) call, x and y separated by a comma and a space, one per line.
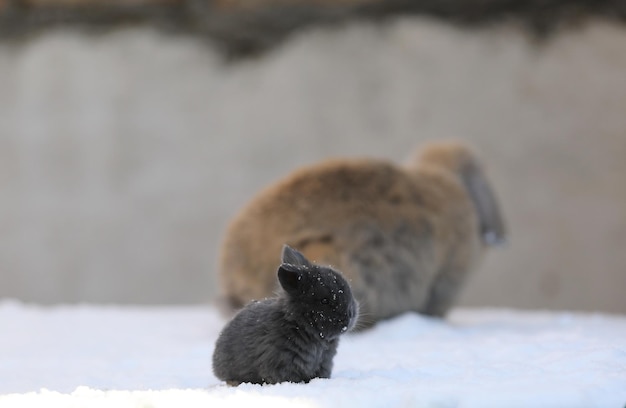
point(406, 237)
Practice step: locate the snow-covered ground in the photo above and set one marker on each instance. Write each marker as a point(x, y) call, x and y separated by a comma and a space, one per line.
point(94, 356)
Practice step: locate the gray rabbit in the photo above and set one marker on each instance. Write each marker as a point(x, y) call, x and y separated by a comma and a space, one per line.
point(292, 337)
point(406, 236)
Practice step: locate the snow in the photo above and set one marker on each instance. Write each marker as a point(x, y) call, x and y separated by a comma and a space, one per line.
point(103, 356)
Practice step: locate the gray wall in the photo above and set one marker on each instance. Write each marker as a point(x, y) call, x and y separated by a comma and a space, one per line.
point(122, 156)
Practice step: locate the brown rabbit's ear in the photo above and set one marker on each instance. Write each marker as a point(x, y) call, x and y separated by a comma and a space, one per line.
point(294, 257)
point(290, 277)
point(492, 227)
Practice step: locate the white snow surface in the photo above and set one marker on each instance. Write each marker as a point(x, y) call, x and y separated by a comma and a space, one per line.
point(103, 356)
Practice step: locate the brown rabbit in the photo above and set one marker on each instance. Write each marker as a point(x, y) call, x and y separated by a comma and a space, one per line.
point(406, 237)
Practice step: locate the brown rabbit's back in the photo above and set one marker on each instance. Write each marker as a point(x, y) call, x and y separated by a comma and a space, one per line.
point(388, 229)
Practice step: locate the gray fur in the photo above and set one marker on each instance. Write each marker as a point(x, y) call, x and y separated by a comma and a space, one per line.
point(387, 283)
point(294, 257)
point(489, 218)
point(292, 337)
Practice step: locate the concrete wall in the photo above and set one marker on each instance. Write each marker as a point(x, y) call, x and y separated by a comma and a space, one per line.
point(123, 155)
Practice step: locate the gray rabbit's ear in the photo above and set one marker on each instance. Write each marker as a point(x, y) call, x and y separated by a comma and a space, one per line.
point(290, 277)
point(293, 257)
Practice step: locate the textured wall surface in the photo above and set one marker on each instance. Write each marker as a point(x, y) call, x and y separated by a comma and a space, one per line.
point(123, 155)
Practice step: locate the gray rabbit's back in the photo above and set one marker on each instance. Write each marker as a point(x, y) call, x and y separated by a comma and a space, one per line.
point(259, 347)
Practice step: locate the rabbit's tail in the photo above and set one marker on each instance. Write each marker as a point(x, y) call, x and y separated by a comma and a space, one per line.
point(458, 158)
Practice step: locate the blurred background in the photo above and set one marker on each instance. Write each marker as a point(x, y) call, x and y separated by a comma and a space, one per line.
point(131, 132)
